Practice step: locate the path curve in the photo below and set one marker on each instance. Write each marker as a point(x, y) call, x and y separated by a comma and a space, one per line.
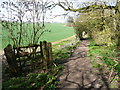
point(63, 39)
point(79, 73)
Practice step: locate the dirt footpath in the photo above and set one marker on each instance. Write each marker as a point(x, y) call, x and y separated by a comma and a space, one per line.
point(79, 73)
point(63, 40)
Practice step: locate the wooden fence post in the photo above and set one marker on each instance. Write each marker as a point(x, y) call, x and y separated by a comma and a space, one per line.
point(41, 44)
point(45, 52)
point(11, 59)
point(50, 53)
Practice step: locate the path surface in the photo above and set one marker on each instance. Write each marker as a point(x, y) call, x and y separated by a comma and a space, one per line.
point(79, 73)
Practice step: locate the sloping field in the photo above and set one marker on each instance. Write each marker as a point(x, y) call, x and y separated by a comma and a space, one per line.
point(58, 31)
point(55, 32)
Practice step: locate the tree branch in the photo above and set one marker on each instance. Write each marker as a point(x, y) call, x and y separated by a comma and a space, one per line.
point(83, 9)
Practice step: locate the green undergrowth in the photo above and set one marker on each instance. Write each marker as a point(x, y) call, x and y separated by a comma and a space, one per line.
point(44, 80)
point(106, 59)
point(32, 81)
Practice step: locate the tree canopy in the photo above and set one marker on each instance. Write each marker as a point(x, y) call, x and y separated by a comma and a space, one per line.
point(100, 20)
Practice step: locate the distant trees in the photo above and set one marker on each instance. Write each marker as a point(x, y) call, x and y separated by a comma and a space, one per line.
point(70, 21)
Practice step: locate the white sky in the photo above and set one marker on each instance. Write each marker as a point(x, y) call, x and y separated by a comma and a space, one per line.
point(50, 16)
point(56, 11)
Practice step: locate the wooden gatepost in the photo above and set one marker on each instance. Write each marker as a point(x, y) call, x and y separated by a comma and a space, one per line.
point(47, 53)
point(11, 59)
point(50, 53)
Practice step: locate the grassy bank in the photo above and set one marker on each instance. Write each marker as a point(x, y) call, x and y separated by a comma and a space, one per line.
point(65, 48)
point(106, 59)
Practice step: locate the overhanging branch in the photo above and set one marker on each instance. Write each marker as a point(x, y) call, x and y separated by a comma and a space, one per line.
point(83, 9)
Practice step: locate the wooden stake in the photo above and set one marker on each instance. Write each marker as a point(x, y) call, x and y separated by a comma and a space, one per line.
point(50, 53)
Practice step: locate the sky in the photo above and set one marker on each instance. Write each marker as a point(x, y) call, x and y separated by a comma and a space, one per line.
point(56, 15)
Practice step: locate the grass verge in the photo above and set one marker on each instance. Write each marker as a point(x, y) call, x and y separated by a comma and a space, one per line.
point(106, 59)
point(64, 49)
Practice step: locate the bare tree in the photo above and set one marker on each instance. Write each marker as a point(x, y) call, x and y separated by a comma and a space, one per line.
point(25, 22)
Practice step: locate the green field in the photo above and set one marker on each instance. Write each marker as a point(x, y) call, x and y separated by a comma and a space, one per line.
point(57, 32)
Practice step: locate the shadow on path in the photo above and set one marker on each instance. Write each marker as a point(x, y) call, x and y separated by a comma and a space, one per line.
point(79, 73)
